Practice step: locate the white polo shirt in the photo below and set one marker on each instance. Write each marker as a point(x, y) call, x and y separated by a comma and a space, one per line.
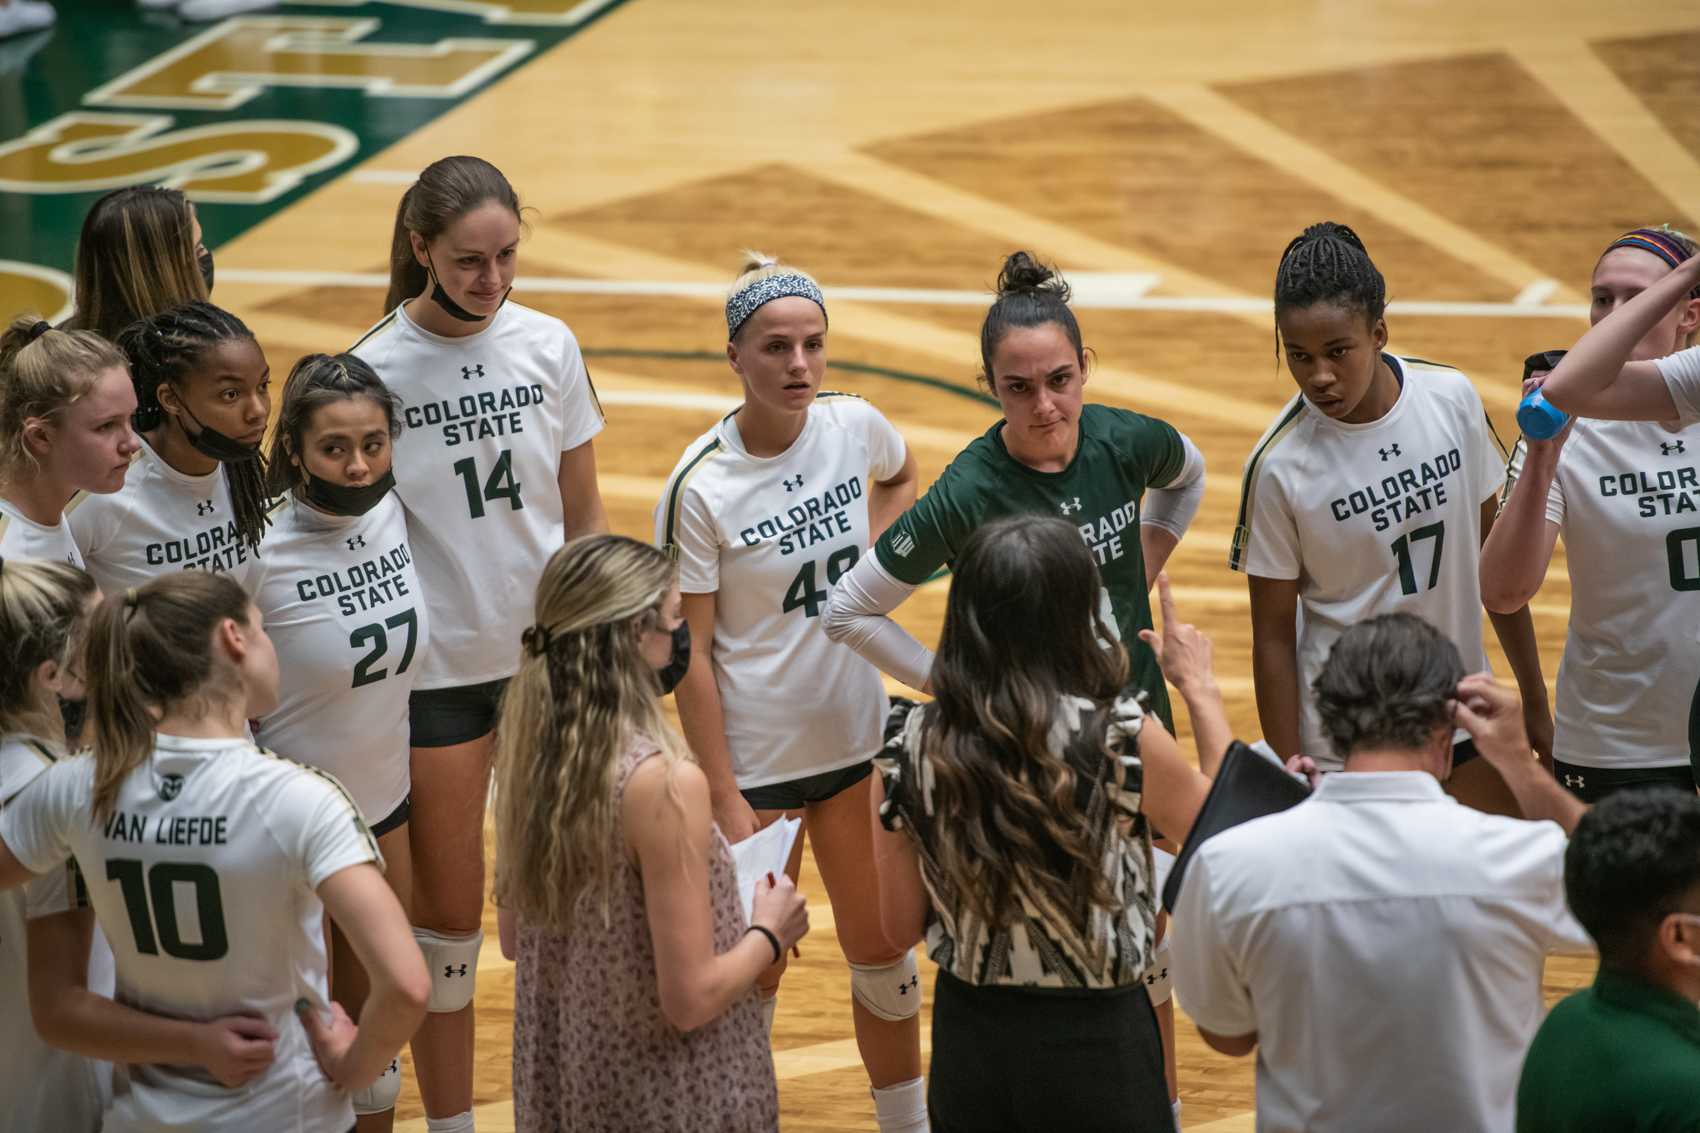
point(1386, 944)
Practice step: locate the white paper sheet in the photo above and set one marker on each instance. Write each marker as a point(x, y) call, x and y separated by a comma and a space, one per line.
point(766, 851)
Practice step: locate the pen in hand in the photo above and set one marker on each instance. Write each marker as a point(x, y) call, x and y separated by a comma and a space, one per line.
point(795, 951)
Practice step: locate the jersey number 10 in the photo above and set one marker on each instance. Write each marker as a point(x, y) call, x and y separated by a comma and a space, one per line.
point(163, 881)
point(803, 595)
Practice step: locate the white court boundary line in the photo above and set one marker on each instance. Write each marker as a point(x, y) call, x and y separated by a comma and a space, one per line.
point(1101, 293)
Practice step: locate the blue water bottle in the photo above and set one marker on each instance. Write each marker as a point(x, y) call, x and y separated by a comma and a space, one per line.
point(1539, 418)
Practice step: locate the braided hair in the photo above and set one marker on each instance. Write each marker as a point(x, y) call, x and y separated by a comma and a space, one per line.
point(167, 348)
point(1328, 263)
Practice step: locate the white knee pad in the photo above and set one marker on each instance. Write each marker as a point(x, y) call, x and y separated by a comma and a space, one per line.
point(1158, 985)
point(891, 991)
point(453, 964)
point(380, 1096)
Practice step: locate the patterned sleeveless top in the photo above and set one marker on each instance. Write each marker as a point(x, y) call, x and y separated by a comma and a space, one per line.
point(1049, 944)
point(592, 1050)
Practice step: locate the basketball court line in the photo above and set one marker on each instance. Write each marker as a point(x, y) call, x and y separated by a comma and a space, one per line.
point(1103, 297)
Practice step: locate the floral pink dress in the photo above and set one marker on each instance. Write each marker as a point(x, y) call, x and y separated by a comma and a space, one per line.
point(592, 1050)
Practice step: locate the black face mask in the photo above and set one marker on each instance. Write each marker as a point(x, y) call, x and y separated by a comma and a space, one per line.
point(679, 663)
point(450, 307)
point(222, 448)
point(347, 499)
point(204, 260)
point(72, 712)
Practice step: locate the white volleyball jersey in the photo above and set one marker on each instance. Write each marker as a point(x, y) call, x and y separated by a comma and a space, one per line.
point(1626, 500)
point(43, 1088)
point(22, 538)
point(342, 603)
point(1681, 372)
point(768, 536)
point(205, 879)
point(161, 520)
point(488, 417)
point(1373, 519)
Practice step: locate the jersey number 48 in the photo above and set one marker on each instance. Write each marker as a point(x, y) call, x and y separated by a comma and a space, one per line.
point(803, 594)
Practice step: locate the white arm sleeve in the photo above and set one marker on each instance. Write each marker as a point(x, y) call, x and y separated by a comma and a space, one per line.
point(856, 616)
point(1172, 506)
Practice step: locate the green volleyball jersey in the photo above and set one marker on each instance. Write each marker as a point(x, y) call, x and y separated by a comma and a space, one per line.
point(1121, 454)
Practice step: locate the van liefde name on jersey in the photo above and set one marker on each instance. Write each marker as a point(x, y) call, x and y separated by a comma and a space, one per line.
point(169, 830)
point(475, 416)
point(1399, 496)
point(804, 524)
point(1668, 491)
point(361, 587)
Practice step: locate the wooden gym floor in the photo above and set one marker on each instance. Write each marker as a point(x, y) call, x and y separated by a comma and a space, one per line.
point(1161, 154)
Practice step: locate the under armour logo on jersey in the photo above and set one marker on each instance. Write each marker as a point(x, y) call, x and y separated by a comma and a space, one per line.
point(793, 485)
point(170, 787)
point(1673, 446)
point(1388, 453)
point(1575, 782)
point(356, 542)
point(467, 373)
point(1156, 974)
point(204, 507)
point(902, 543)
point(450, 971)
point(1068, 507)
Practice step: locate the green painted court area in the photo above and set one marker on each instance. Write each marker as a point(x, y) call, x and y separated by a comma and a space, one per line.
point(247, 115)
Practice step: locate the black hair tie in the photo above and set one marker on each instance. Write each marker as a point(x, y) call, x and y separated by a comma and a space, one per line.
point(536, 639)
point(39, 328)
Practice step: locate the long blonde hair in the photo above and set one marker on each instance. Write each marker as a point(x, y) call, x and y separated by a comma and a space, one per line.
point(584, 694)
point(43, 371)
point(150, 648)
point(41, 619)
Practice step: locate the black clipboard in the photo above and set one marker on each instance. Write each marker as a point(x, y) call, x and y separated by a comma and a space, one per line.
point(1247, 786)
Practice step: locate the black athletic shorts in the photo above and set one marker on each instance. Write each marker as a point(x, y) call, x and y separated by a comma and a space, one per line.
point(1591, 784)
point(443, 717)
point(395, 819)
point(795, 794)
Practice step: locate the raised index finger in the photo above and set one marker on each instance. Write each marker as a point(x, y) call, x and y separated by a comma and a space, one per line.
point(1166, 600)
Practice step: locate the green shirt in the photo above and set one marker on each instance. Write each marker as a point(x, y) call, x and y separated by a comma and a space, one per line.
point(1621, 1055)
point(1121, 453)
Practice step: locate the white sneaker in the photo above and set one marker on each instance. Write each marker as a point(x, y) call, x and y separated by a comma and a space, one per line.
point(21, 17)
point(218, 9)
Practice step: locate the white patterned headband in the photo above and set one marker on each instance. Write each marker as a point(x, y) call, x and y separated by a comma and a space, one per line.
point(740, 305)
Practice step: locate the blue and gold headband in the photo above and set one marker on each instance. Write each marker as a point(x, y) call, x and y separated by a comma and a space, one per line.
point(741, 304)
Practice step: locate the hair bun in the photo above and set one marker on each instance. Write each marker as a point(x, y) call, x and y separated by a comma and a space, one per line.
point(1022, 274)
point(757, 261)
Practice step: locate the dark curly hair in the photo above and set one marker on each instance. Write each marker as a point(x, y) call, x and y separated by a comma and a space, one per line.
point(1632, 861)
point(1388, 682)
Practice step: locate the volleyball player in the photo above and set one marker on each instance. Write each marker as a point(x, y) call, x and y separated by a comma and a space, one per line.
point(342, 604)
point(1370, 493)
point(65, 406)
point(140, 252)
point(1129, 483)
point(498, 471)
point(211, 863)
point(764, 512)
point(1630, 668)
point(195, 498)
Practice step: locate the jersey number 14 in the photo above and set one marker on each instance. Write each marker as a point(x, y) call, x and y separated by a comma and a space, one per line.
point(499, 485)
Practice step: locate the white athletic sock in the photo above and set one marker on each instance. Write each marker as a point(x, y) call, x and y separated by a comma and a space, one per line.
point(1176, 1106)
point(902, 1108)
point(201, 10)
point(767, 1008)
point(24, 16)
point(459, 1123)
